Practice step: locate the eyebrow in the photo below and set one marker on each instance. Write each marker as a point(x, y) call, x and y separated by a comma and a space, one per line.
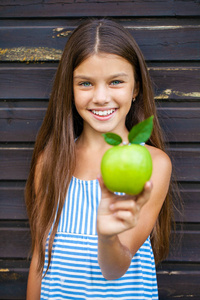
point(110, 77)
point(82, 77)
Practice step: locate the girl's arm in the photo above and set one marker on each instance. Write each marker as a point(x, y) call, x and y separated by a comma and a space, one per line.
point(125, 222)
point(34, 279)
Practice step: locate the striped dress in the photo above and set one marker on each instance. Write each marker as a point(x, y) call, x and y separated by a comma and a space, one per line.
point(74, 271)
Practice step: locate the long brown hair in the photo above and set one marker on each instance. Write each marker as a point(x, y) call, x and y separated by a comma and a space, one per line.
point(62, 124)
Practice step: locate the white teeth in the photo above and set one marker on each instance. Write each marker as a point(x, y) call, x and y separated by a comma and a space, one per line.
point(103, 112)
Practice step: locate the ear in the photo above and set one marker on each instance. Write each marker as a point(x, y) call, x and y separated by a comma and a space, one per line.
point(136, 89)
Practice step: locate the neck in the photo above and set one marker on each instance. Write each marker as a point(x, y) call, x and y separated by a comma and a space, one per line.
point(93, 139)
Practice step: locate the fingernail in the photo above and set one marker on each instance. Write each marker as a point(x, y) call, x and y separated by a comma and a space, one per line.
point(149, 184)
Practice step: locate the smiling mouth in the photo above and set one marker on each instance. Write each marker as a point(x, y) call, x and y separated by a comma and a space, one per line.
point(103, 112)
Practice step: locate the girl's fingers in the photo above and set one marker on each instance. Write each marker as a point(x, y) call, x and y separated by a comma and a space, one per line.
point(133, 203)
point(129, 219)
point(130, 205)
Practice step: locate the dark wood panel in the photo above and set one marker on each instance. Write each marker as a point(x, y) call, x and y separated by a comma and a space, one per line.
point(171, 284)
point(177, 284)
point(12, 202)
point(36, 82)
point(15, 243)
point(157, 42)
point(26, 83)
point(80, 8)
point(13, 279)
point(190, 197)
point(176, 83)
point(184, 246)
point(180, 124)
point(21, 124)
point(15, 163)
point(186, 163)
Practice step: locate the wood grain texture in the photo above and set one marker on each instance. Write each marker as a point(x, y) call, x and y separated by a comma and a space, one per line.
point(15, 163)
point(35, 82)
point(12, 202)
point(46, 43)
point(186, 163)
point(179, 283)
point(83, 8)
point(180, 124)
point(15, 243)
point(171, 281)
point(21, 124)
point(13, 279)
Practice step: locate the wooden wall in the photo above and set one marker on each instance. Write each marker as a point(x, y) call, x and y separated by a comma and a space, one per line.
point(32, 36)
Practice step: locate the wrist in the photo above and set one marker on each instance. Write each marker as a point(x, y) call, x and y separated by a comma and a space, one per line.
point(108, 239)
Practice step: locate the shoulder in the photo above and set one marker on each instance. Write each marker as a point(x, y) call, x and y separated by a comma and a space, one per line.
point(162, 164)
point(159, 156)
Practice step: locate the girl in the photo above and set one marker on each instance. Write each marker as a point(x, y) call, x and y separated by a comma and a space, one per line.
point(87, 242)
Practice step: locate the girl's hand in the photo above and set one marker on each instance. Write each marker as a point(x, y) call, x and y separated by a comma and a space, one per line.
point(117, 214)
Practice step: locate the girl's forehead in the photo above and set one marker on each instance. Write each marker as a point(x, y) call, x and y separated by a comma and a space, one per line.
point(107, 62)
point(106, 56)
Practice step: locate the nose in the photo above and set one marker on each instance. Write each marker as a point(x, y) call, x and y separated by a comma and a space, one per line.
point(101, 95)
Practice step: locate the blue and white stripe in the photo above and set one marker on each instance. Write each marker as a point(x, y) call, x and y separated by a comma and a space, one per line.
point(74, 272)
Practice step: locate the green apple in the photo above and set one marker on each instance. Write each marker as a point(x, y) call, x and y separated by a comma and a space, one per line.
point(126, 168)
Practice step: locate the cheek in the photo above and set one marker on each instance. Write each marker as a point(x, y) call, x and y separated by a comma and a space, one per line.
point(80, 99)
point(124, 96)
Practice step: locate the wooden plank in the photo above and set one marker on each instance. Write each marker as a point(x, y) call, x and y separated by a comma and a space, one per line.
point(178, 284)
point(12, 202)
point(180, 124)
point(83, 8)
point(176, 83)
point(31, 82)
point(46, 43)
point(184, 246)
point(26, 83)
point(15, 243)
point(189, 193)
point(174, 281)
point(15, 163)
point(186, 163)
point(21, 124)
point(13, 279)
point(173, 285)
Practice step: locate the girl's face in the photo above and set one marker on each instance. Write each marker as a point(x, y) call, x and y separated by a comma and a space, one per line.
point(104, 87)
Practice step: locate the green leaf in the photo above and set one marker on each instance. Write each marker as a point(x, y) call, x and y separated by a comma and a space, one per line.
point(112, 138)
point(141, 132)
